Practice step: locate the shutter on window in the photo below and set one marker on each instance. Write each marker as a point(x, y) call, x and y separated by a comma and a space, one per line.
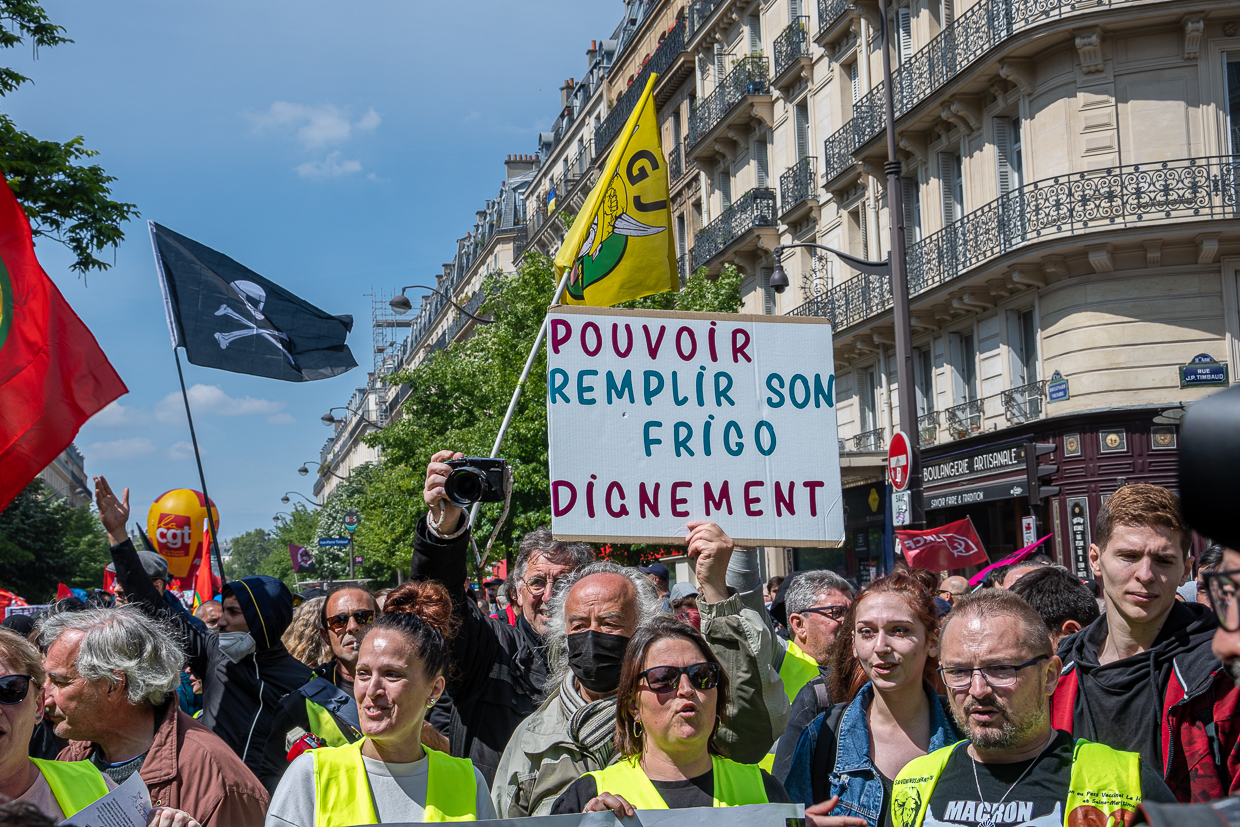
point(864, 230)
point(755, 34)
point(947, 183)
point(854, 74)
point(949, 13)
point(794, 9)
point(681, 241)
point(910, 213)
point(904, 17)
point(802, 124)
point(1003, 154)
point(718, 64)
point(768, 295)
point(725, 189)
point(760, 158)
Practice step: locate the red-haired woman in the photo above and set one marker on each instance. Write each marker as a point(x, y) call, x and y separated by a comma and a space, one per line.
point(883, 663)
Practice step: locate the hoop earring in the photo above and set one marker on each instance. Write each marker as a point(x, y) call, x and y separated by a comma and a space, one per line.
point(637, 730)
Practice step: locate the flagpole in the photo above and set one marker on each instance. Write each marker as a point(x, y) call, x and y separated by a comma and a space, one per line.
point(525, 374)
point(215, 542)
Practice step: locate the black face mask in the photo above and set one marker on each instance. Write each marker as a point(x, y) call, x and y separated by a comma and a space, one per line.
point(596, 659)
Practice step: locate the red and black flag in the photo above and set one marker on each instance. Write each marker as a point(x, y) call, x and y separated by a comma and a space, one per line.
point(53, 375)
point(227, 316)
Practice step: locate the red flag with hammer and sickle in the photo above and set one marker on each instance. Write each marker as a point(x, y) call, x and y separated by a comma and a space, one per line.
point(946, 548)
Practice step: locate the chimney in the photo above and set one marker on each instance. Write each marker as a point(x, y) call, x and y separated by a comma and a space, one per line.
point(518, 165)
point(566, 91)
point(591, 54)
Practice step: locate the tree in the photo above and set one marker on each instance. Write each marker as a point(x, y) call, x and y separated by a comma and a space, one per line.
point(87, 544)
point(64, 200)
point(249, 550)
point(299, 529)
point(458, 397)
point(33, 557)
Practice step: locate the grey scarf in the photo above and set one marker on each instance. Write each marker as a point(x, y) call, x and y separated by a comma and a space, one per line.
point(591, 724)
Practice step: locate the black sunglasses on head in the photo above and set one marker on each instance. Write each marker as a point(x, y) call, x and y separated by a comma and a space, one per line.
point(662, 679)
point(14, 688)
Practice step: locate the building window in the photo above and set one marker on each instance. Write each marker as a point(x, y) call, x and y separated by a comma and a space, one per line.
point(801, 120)
point(1233, 104)
point(1008, 154)
point(951, 179)
point(912, 212)
point(923, 367)
point(968, 366)
point(761, 163)
point(725, 190)
point(867, 395)
point(854, 77)
point(755, 34)
point(1023, 346)
point(904, 27)
point(768, 295)
point(862, 247)
point(718, 64)
point(681, 235)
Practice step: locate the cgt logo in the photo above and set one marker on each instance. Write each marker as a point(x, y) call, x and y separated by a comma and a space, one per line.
point(174, 535)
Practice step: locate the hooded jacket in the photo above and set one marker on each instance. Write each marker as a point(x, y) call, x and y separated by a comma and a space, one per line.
point(499, 671)
point(1174, 704)
point(239, 700)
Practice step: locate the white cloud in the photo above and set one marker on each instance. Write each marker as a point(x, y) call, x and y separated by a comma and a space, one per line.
point(211, 399)
point(280, 419)
point(131, 448)
point(116, 415)
point(183, 451)
point(329, 167)
point(315, 126)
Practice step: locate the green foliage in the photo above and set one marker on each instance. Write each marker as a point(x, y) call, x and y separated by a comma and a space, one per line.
point(333, 561)
point(43, 542)
point(64, 200)
point(457, 399)
point(249, 550)
point(266, 552)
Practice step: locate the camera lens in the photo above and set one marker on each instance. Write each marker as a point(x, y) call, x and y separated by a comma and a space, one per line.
point(465, 486)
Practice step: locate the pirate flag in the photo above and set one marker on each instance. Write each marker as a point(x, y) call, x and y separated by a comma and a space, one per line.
point(227, 316)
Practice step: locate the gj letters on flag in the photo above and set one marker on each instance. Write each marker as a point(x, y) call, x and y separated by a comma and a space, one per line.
point(658, 419)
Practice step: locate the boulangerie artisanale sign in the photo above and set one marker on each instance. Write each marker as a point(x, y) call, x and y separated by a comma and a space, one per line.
point(657, 419)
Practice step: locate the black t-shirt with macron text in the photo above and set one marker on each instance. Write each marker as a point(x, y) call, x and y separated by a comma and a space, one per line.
point(1036, 801)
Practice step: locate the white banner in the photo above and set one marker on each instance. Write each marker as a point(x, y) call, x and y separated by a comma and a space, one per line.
point(657, 419)
point(752, 815)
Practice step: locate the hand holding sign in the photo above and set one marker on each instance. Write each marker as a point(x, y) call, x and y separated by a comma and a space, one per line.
point(710, 550)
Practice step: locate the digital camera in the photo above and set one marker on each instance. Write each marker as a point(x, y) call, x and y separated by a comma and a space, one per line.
point(476, 480)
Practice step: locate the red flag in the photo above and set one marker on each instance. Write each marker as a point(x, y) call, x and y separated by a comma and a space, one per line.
point(62, 591)
point(204, 588)
point(953, 546)
point(53, 376)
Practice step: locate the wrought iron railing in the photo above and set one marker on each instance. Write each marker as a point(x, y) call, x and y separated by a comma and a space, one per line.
point(1192, 189)
point(663, 56)
point(829, 11)
point(682, 267)
point(697, 13)
point(964, 419)
point(797, 184)
point(749, 76)
point(792, 44)
point(928, 429)
point(868, 440)
point(1024, 403)
point(676, 164)
point(974, 33)
point(755, 208)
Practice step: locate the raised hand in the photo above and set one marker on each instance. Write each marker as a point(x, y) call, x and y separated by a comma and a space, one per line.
point(710, 549)
point(113, 512)
point(444, 514)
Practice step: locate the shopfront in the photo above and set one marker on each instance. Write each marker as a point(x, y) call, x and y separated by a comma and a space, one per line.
point(860, 558)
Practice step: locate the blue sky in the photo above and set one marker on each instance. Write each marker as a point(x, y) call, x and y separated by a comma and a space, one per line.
point(330, 147)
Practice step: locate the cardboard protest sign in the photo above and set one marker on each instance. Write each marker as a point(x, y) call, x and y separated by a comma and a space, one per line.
point(656, 419)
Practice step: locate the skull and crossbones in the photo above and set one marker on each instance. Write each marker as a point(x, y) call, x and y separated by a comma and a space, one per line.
point(247, 291)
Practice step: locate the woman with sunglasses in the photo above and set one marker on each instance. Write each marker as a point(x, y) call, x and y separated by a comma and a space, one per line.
point(668, 708)
point(883, 669)
point(388, 776)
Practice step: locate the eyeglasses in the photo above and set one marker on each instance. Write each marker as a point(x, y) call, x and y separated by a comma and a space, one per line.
point(14, 688)
point(996, 676)
point(538, 585)
point(833, 612)
point(338, 623)
point(663, 679)
point(1222, 586)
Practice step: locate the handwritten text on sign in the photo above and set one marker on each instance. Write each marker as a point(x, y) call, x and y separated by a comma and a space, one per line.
point(659, 419)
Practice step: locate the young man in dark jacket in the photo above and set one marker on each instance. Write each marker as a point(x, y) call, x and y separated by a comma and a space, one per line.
point(245, 669)
point(1142, 677)
point(499, 670)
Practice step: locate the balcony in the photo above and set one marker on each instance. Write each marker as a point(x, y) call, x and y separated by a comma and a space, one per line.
point(717, 112)
point(1024, 403)
point(832, 14)
point(663, 56)
point(964, 420)
point(738, 229)
point(1132, 195)
point(973, 34)
point(798, 191)
point(865, 441)
point(928, 429)
point(792, 58)
point(698, 13)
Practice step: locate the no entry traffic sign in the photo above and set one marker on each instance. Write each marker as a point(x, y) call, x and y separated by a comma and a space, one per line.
point(899, 461)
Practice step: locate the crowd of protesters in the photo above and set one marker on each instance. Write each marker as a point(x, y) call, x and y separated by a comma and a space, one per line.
point(578, 685)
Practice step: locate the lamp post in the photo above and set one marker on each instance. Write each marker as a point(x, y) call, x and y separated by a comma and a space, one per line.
point(285, 498)
point(303, 470)
point(275, 518)
point(330, 420)
point(402, 305)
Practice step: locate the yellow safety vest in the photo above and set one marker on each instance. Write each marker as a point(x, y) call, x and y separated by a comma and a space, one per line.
point(1102, 778)
point(735, 784)
point(797, 670)
point(342, 788)
point(323, 724)
point(76, 784)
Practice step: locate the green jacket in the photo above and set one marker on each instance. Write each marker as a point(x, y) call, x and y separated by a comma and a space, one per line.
point(542, 758)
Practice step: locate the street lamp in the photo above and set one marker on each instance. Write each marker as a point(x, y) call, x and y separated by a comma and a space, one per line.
point(285, 499)
point(779, 279)
point(330, 420)
point(275, 518)
point(303, 470)
point(402, 305)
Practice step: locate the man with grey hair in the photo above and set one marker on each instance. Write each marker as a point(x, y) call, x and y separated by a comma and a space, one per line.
point(499, 670)
point(112, 675)
point(1014, 767)
point(594, 613)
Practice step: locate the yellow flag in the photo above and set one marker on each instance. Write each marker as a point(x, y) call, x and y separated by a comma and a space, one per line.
point(621, 245)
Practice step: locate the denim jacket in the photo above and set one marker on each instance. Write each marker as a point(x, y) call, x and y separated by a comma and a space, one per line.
point(854, 778)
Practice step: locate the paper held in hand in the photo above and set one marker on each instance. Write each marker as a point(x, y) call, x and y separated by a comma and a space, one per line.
point(657, 419)
point(126, 806)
